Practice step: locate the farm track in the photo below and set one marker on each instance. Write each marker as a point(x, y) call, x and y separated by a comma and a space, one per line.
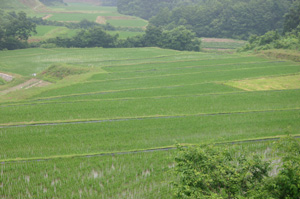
point(39, 159)
point(26, 85)
point(55, 123)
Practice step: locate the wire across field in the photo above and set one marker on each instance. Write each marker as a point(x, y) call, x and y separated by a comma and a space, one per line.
point(132, 100)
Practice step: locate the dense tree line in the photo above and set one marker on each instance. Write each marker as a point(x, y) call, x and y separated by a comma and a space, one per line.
point(214, 18)
point(178, 38)
point(109, 2)
point(222, 172)
point(289, 39)
point(15, 28)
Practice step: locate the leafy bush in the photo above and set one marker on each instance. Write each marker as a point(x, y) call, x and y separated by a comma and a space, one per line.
point(216, 172)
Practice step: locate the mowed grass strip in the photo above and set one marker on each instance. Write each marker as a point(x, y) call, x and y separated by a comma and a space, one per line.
point(98, 110)
point(271, 83)
point(68, 139)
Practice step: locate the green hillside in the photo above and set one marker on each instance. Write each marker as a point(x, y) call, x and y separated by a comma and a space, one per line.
point(108, 107)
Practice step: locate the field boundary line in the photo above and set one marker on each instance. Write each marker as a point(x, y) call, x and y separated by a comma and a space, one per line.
point(118, 119)
point(134, 151)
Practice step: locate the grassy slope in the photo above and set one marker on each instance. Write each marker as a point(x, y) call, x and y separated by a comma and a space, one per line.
point(147, 83)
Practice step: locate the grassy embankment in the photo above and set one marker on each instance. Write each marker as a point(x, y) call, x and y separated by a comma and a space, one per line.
point(138, 99)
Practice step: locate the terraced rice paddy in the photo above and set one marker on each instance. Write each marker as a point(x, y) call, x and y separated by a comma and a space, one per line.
point(57, 141)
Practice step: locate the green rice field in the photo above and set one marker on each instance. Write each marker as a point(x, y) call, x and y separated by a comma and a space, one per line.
point(103, 133)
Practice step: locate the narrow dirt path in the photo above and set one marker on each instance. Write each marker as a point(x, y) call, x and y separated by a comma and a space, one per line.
point(26, 85)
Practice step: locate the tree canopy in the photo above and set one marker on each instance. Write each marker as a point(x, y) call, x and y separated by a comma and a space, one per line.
point(222, 172)
point(15, 28)
point(214, 18)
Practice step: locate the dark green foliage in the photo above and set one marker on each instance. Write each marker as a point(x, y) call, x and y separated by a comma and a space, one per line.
point(216, 18)
point(109, 2)
point(287, 183)
point(216, 172)
point(94, 37)
point(231, 18)
point(273, 40)
point(144, 8)
point(292, 18)
point(178, 39)
point(15, 30)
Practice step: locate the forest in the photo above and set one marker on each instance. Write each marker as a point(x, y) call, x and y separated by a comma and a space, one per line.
point(216, 18)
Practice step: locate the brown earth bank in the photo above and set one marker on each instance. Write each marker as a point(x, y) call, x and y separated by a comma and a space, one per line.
point(95, 2)
point(101, 20)
point(221, 40)
point(47, 16)
point(118, 17)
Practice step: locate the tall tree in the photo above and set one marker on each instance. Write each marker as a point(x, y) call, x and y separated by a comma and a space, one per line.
point(292, 18)
point(15, 30)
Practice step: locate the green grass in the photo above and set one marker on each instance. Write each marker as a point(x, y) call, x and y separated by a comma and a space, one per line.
point(128, 22)
point(144, 98)
point(2, 82)
point(222, 45)
point(12, 5)
point(73, 17)
point(97, 177)
point(36, 60)
point(69, 139)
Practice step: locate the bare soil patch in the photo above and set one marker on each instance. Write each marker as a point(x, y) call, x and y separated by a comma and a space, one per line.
point(26, 85)
point(101, 20)
point(47, 16)
point(221, 40)
point(6, 77)
point(118, 18)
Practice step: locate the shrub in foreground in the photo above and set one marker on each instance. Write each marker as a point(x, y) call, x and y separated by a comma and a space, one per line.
point(216, 172)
